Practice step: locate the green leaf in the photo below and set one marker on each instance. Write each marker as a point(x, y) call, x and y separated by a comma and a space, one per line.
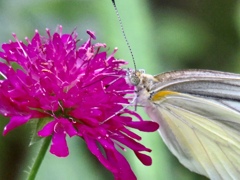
point(38, 124)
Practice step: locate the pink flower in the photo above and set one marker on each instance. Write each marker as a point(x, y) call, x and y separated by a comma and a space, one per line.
point(72, 91)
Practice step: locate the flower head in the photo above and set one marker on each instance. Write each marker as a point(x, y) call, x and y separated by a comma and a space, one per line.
point(74, 91)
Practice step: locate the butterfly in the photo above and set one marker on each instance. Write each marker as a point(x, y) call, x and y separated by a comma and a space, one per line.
point(199, 116)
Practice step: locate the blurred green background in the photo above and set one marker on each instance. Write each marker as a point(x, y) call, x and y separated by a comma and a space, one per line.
point(164, 35)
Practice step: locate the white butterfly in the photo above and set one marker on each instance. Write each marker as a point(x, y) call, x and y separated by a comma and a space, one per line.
point(199, 116)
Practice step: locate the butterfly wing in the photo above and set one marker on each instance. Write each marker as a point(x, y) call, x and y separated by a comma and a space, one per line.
point(199, 119)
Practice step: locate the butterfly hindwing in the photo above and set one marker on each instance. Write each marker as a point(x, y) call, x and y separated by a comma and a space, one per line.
point(199, 137)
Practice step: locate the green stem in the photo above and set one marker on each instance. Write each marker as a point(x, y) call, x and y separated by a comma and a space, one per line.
point(39, 158)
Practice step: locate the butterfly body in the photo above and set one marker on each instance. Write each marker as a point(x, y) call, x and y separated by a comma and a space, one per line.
point(199, 116)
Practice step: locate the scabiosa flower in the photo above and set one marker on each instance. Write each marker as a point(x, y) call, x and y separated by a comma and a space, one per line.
point(74, 91)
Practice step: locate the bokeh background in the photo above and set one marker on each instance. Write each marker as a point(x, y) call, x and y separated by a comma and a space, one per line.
point(164, 35)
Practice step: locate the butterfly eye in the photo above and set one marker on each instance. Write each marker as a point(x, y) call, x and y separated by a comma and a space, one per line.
point(134, 79)
point(134, 76)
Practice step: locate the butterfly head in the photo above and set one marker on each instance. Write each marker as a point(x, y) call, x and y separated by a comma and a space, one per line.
point(139, 79)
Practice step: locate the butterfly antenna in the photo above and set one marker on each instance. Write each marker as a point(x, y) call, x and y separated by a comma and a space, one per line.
point(124, 35)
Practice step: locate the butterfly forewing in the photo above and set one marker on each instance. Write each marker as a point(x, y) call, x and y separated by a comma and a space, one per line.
point(224, 87)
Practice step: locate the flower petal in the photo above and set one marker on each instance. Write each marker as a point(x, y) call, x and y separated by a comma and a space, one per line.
point(146, 126)
point(125, 171)
point(15, 121)
point(129, 142)
point(48, 129)
point(92, 146)
point(59, 144)
point(145, 159)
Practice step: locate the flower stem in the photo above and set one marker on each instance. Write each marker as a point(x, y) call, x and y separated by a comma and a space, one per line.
point(39, 158)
